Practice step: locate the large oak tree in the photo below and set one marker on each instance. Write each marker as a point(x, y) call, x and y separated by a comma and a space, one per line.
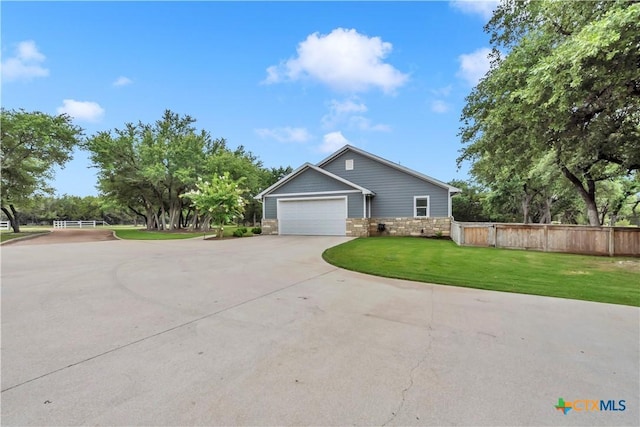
point(565, 82)
point(33, 143)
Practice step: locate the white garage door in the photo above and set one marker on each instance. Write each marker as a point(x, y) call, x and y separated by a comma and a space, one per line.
point(312, 217)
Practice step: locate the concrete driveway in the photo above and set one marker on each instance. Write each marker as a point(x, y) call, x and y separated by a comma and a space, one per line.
point(261, 331)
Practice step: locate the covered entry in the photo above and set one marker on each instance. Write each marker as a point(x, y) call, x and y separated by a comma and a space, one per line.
point(313, 216)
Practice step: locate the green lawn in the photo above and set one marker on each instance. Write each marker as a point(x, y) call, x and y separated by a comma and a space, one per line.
point(602, 279)
point(9, 235)
point(142, 234)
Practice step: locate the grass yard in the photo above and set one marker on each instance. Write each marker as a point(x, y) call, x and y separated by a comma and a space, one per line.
point(9, 235)
point(611, 280)
point(143, 234)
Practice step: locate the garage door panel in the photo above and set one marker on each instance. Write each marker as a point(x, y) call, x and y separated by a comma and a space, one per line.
point(313, 217)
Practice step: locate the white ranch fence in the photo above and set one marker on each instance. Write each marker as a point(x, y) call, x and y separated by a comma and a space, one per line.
point(78, 224)
point(4, 225)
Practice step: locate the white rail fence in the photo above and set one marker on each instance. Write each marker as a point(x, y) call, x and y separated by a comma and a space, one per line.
point(4, 225)
point(78, 224)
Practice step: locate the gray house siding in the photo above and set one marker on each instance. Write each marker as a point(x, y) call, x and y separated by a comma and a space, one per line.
point(394, 190)
point(354, 204)
point(311, 181)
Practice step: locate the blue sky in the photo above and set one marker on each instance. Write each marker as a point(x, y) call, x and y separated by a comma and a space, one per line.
point(291, 81)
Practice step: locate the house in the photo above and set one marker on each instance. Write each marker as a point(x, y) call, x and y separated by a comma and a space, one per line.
point(355, 193)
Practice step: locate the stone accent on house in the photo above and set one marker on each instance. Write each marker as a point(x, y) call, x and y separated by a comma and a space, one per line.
point(427, 227)
point(365, 227)
point(269, 227)
point(357, 227)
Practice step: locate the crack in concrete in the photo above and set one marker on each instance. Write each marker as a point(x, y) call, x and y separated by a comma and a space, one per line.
point(395, 413)
point(405, 391)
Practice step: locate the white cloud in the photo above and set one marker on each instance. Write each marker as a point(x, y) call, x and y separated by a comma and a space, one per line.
point(477, 7)
point(473, 66)
point(347, 106)
point(339, 111)
point(346, 112)
point(332, 141)
point(363, 123)
point(344, 60)
point(81, 110)
point(25, 64)
point(439, 106)
point(442, 91)
point(122, 81)
point(285, 134)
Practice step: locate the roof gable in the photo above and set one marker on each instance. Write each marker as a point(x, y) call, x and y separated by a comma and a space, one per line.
point(386, 162)
point(305, 167)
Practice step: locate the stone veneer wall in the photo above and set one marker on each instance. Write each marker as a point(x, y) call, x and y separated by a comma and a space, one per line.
point(365, 227)
point(358, 227)
point(411, 226)
point(269, 227)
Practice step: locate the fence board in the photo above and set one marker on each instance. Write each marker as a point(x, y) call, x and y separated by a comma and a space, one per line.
point(622, 241)
point(626, 242)
point(476, 236)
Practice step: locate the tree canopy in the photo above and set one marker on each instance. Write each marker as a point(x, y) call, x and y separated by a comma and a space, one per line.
point(32, 144)
point(149, 167)
point(220, 200)
point(563, 91)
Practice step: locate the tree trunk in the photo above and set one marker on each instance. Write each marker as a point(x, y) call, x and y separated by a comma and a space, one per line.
point(588, 195)
point(163, 217)
point(12, 217)
point(526, 200)
point(174, 217)
point(146, 220)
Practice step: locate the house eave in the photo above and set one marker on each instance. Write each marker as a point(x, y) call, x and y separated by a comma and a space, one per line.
point(301, 169)
point(386, 162)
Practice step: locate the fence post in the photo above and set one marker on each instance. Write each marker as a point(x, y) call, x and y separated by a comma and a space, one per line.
point(612, 243)
point(492, 235)
point(545, 243)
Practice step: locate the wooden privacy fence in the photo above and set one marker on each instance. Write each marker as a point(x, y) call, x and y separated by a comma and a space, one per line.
point(578, 239)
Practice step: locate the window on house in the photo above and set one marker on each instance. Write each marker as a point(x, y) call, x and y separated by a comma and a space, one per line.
point(421, 206)
point(348, 164)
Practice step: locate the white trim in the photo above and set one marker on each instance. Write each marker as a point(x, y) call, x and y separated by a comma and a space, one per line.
point(415, 198)
point(313, 193)
point(264, 208)
point(364, 206)
point(348, 164)
point(297, 199)
point(317, 169)
point(449, 204)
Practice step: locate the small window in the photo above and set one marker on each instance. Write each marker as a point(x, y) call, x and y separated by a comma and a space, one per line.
point(421, 206)
point(348, 164)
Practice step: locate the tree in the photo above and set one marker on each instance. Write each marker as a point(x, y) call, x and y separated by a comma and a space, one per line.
point(148, 167)
point(469, 204)
point(568, 87)
point(219, 200)
point(33, 143)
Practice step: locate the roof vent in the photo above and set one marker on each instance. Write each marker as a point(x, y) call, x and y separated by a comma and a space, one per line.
point(348, 164)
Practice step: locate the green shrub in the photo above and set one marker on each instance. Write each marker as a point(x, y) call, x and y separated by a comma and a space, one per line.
point(256, 230)
point(243, 230)
point(238, 233)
